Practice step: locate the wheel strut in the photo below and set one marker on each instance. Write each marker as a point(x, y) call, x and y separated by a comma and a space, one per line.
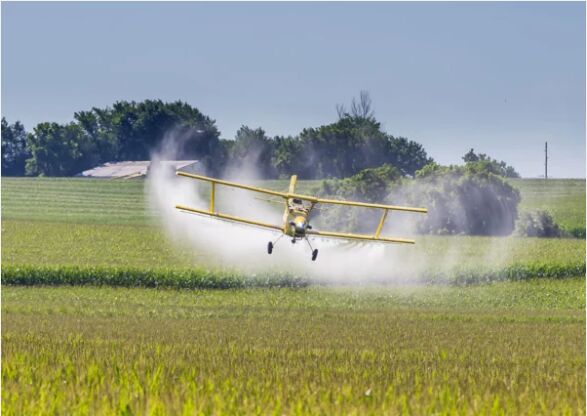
point(272, 244)
point(314, 251)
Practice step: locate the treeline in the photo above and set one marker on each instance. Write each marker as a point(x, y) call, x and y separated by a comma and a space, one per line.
point(132, 131)
point(125, 131)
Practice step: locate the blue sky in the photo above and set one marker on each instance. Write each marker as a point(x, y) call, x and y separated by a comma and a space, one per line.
point(499, 77)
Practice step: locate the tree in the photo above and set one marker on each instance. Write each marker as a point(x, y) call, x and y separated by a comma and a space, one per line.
point(14, 150)
point(470, 156)
point(56, 150)
point(462, 200)
point(407, 155)
point(125, 131)
point(352, 144)
point(132, 131)
point(356, 142)
point(287, 156)
point(360, 109)
point(537, 224)
point(252, 152)
point(368, 185)
point(486, 163)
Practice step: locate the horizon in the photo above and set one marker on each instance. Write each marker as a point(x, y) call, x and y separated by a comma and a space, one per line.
point(438, 73)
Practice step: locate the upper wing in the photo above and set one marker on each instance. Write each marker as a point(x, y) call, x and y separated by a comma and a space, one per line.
point(232, 184)
point(228, 217)
point(308, 198)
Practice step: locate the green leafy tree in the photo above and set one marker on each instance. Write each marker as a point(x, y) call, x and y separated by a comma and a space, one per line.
point(132, 131)
point(482, 162)
point(369, 185)
point(288, 156)
point(356, 142)
point(407, 155)
point(56, 150)
point(125, 131)
point(252, 151)
point(537, 224)
point(338, 150)
point(14, 150)
point(470, 156)
point(462, 200)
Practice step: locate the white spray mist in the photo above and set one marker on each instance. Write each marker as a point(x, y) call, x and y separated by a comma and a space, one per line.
point(226, 244)
point(244, 247)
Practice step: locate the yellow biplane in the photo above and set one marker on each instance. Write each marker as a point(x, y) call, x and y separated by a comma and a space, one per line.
point(296, 217)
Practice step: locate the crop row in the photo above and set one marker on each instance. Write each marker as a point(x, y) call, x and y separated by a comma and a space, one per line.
point(133, 277)
point(123, 202)
point(227, 279)
point(508, 348)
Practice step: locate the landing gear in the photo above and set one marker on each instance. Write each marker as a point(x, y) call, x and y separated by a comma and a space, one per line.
point(272, 244)
point(314, 251)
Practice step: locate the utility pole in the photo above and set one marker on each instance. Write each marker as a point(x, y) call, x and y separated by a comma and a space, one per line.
point(545, 160)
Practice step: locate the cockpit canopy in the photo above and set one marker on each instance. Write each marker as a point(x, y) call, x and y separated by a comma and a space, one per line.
point(297, 205)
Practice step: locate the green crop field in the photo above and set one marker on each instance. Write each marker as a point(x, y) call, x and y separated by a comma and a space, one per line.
point(515, 345)
point(563, 198)
point(508, 348)
point(50, 223)
point(123, 202)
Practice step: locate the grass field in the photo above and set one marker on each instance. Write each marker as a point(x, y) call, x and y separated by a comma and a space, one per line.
point(508, 348)
point(511, 347)
point(105, 224)
point(563, 198)
point(42, 245)
point(123, 202)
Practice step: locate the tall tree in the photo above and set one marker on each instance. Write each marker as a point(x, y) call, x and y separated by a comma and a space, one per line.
point(14, 150)
point(56, 150)
point(288, 155)
point(482, 162)
point(407, 155)
point(252, 151)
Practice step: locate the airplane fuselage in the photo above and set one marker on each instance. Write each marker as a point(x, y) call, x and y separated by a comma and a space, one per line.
point(296, 222)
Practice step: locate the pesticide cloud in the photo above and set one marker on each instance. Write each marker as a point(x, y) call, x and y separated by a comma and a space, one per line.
point(219, 243)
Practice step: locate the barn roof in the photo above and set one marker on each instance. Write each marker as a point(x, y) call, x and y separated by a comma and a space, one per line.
point(132, 168)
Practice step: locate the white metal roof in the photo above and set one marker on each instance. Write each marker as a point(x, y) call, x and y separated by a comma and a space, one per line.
point(131, 168)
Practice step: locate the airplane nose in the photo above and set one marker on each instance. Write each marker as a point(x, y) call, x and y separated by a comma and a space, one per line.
point(300, 225)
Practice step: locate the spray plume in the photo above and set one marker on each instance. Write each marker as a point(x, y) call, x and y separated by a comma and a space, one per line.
point(242, 247)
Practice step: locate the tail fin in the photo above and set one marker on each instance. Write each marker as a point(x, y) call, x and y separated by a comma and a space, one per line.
point(292, 184)
point(292, 189)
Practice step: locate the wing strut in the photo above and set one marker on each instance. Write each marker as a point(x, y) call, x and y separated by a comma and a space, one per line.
point(380, 226)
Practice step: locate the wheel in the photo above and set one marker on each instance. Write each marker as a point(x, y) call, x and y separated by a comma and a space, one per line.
point(269, 247)
point(314, 254)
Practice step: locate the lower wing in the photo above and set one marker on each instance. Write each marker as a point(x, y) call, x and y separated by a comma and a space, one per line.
point(363, 237)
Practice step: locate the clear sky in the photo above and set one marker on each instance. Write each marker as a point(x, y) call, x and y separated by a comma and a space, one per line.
point(499, 77)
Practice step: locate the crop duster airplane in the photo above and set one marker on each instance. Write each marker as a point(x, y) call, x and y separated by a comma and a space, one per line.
point(297, 213)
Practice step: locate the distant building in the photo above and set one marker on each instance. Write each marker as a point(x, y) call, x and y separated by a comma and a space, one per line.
point(137, 168)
